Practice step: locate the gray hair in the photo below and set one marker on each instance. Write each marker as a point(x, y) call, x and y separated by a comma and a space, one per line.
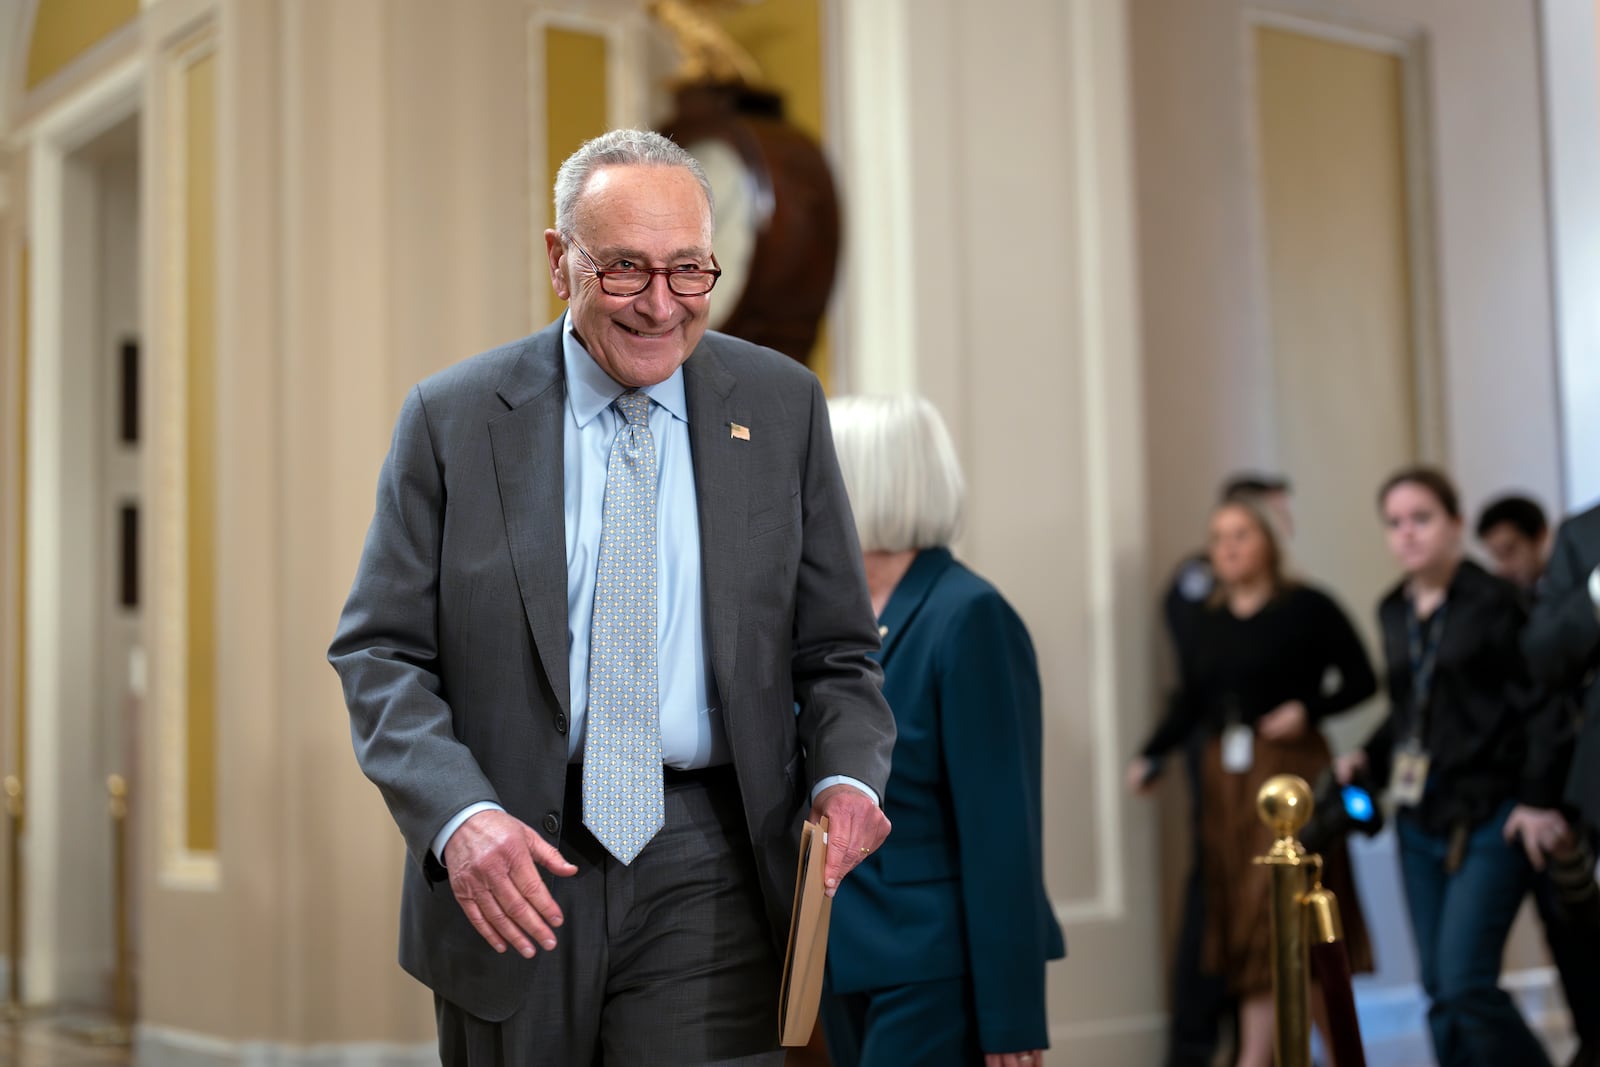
point(636, 148)
point(900, 470)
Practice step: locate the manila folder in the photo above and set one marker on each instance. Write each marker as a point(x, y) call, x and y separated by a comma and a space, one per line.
point(808, 940)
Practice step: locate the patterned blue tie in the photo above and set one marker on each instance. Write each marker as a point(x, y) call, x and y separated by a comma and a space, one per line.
point(622, 747)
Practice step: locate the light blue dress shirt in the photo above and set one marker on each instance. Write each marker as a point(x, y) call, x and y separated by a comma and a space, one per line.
point(692, 734)
point(691, 723)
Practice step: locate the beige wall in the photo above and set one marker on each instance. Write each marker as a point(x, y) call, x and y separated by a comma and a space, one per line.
point(1208, 358)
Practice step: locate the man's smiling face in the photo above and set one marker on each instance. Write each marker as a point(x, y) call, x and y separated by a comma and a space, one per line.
point(635, 216)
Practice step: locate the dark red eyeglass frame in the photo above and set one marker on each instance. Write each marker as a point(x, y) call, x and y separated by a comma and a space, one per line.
point(649, 272)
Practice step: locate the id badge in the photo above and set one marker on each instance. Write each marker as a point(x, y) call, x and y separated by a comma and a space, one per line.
point(1238, 748)
point(1410, 777)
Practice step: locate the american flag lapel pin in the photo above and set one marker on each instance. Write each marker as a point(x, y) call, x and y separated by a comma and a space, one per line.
point(737, 432)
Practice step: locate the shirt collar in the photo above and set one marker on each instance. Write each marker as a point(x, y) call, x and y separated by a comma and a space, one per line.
point(590, 390)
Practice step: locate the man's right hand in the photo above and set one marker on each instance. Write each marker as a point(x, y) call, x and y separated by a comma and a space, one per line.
point(493, 860)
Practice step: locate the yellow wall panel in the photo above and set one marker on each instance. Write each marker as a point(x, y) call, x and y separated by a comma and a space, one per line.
point(785, 37)
point(200, 365)
point(575, 105)
point(65, 29)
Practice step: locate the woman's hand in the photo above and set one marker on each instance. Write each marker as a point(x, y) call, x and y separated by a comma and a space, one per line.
point(1142, 775)
point(1349, 765)
point(1542, 830)
point(1284, 722)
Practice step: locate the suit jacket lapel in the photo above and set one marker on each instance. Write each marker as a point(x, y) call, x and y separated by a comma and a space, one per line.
point(908, 597)
point(528, 467)
point(719, 482)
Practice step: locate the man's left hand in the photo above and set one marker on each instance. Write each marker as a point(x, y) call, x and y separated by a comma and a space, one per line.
point(856, 827)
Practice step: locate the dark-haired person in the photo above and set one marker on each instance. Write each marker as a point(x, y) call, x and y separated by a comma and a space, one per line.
point(1562, 643)
point(1200, 1001)
point(1252, 692)
point(1467, 751)
point(1517, 535)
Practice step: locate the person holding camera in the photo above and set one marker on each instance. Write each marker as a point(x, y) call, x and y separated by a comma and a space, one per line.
point(1253, 688)
point(1560, 644)
point(1467, 751)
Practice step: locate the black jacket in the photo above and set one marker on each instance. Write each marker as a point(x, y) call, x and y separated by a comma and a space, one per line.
point(1490, 731)
point(1562, 643)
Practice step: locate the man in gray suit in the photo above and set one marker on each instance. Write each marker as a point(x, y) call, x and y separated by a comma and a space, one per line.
point(610, 622)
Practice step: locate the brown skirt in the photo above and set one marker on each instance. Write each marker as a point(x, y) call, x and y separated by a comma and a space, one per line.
point(1238, 935)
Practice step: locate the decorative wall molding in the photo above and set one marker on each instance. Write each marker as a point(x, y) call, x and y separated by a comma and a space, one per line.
point(179, 867)
point(56, 405)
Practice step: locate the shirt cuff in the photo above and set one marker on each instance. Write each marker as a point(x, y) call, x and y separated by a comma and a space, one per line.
point(442, 838)
point(1594, 589)
point(844, 779)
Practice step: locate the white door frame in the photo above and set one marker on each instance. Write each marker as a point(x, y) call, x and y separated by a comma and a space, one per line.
point(60, 407)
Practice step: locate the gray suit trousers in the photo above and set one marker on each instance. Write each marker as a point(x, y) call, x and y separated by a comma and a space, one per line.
point(666, 961)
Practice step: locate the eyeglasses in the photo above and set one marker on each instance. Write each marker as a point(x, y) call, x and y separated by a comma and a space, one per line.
point(684, 281)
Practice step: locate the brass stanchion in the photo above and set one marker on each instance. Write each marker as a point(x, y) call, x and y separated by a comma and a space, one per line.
point(1331, 964)
point(122, 990)
point(119, 1031)
point(14, 1010)
point(1284, 804)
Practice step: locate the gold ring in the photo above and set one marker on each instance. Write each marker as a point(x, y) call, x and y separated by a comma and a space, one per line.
point(865, 850)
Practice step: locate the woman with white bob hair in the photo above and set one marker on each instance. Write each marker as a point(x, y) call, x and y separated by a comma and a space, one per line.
point(939, 939)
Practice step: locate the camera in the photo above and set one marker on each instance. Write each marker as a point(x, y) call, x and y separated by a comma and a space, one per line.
point(1573, 874)
point(1337, 810)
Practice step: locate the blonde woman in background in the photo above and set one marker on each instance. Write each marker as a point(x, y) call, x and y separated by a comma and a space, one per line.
point(1253, 689)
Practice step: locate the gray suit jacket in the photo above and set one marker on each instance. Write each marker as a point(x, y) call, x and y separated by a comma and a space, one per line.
point(1562, 644)
point(453, 644)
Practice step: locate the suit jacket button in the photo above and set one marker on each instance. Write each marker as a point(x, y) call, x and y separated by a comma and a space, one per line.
point(561, 723)
point(552, 823)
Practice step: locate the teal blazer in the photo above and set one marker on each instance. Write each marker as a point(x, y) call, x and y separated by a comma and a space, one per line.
point(958, 887)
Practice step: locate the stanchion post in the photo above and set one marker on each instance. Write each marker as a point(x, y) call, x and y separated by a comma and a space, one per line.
point(14, 895)
point(1284, 804)
point(122, 992)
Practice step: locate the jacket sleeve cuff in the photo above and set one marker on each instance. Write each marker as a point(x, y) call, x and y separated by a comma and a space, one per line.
point(442, 838)
point(844, 779)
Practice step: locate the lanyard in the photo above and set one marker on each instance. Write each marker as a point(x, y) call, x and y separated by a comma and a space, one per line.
point(1424, 647)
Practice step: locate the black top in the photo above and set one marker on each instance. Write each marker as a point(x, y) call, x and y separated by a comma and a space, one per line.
point(1562, 643)
point(1233, 668)
point(1489, 730)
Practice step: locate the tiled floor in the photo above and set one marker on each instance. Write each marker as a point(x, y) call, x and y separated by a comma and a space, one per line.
point(52, 1042)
